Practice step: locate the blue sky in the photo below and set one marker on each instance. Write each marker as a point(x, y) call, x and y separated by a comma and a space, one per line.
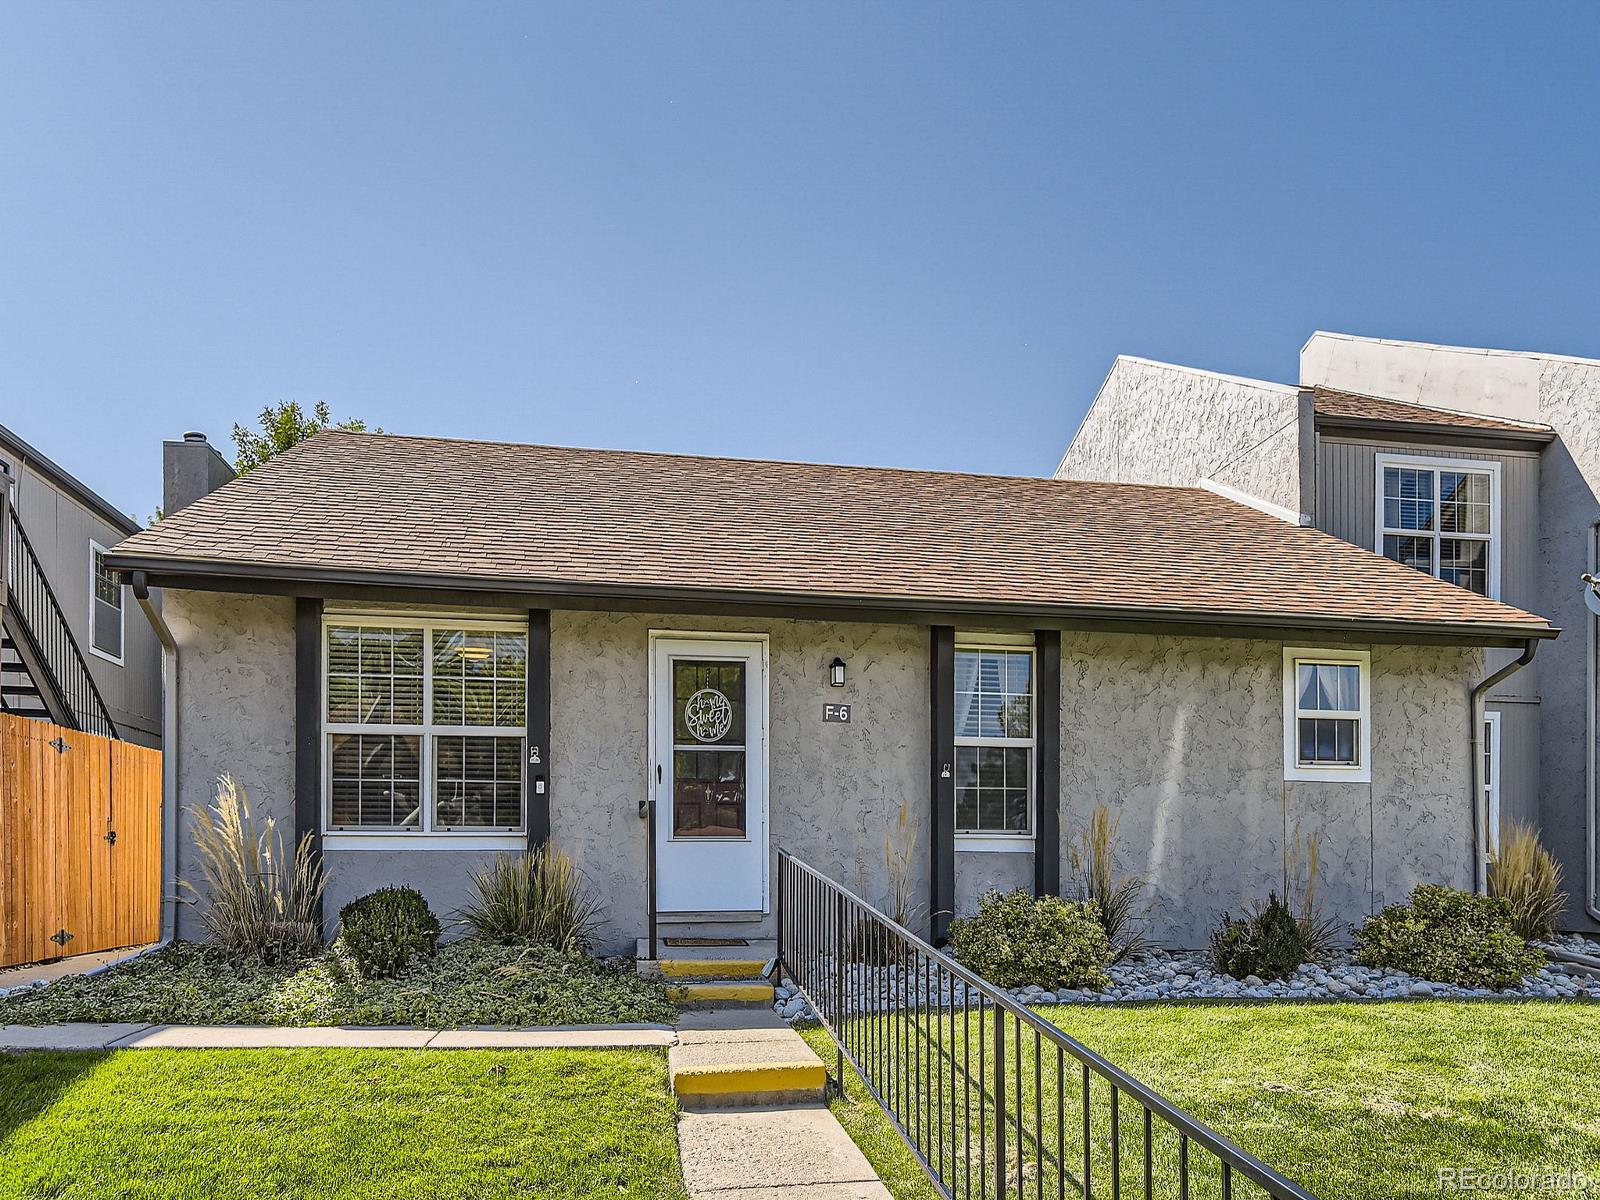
point(898, 234)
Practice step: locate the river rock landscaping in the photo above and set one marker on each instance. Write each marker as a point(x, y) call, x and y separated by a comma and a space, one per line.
point(1162, 975)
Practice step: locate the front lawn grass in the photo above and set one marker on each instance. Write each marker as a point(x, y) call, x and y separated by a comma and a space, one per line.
point(225, 1124)
point(466, 982)
point(1353, 1101)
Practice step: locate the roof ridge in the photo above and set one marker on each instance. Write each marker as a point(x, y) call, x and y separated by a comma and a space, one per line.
point(681, 456)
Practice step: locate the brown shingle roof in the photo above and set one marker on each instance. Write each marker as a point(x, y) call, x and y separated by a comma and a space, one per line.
point(1330, 403)
point(538, 516)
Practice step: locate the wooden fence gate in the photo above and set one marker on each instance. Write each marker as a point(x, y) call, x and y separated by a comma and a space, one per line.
point(80, 842)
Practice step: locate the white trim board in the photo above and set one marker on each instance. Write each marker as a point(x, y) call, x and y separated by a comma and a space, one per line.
point(1229, 492)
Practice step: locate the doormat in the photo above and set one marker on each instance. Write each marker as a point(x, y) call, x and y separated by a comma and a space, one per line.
point(685, 941)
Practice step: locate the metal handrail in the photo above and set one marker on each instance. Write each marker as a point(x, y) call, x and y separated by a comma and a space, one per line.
point(43, 625)
point(829, 941)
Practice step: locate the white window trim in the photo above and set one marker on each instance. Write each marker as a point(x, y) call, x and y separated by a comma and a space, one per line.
point(1361, 772)
point(95, 548)
point(1491, 784)
point(994, 841)
point(1483, 466)
point(426, 838)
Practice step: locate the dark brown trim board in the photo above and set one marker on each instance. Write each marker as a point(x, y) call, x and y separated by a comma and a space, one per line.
point(536, 779)
point(942, 782)
point(308, 721)
point(1047, 763)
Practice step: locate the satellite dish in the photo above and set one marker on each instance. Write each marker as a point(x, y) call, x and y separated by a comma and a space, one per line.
point(1591, 594)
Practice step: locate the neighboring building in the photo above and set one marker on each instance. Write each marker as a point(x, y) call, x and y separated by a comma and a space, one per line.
point(424, 652)
point(71, 651)
point(1480, 467)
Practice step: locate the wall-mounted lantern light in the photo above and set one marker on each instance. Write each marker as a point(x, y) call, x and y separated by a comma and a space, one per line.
point(836, 673)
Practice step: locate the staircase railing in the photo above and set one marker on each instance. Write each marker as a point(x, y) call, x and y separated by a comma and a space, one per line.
point(993, 1100)
point(43, 635)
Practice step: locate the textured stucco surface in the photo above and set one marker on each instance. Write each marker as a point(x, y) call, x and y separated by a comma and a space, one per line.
point(235, 710)
point(1183, 737)
point(836, 790)
point(1157, 423)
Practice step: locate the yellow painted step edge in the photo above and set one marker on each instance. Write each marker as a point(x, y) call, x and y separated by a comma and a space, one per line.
point(727, 968)
point(749, 1077)
point(720, 991)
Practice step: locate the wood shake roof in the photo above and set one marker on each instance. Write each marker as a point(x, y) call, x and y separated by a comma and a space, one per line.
point(383, 508)
point(1349, 406)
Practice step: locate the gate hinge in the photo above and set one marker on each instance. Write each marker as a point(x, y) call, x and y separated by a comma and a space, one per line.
point(61, 937)
point(61, 745)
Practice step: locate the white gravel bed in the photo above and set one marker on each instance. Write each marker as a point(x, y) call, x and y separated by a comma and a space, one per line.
point(1162, 975)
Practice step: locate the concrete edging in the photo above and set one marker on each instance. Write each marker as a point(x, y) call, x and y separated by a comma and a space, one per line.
point(136, 1036)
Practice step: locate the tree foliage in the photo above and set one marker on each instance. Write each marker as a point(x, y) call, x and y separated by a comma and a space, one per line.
point(283, 425)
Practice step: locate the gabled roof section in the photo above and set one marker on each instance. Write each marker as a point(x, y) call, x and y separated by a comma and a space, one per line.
point(1339, 406)
point(380, 509)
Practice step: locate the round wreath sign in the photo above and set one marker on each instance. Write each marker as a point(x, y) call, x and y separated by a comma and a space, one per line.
point(708, 714)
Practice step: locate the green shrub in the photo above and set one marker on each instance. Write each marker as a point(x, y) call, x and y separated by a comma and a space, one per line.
point(1450, 937)
point(1266, 942)
point(1016, 940)
point(1529, 878)
point(382, 930)
point(538, 898)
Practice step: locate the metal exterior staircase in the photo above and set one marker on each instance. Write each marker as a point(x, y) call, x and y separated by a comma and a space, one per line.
point(43, 672)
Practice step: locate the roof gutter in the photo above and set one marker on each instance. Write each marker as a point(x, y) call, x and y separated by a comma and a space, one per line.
point(1479, 436)
point(1480, 815)
point(302, 580)
point(169, 755)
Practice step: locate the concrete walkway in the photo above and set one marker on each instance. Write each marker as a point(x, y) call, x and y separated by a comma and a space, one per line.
point(753, 1125)
point(84, 1036)
point(78, 964)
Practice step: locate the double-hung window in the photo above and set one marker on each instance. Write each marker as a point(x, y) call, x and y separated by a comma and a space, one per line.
point(1327, 706)
point(1440, 516)
point(105, 607)
point(994, 746)
point(424, 726)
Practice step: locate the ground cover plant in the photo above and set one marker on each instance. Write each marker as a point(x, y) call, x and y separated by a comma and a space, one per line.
point(466, 982)
point(338, 1125)
point(1367, 1101)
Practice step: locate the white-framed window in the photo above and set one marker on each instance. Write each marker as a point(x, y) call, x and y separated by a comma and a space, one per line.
point(1491, 776)
point(1327, 714)
point(105, 608)
point(994, 744)
point(424, 727)
point(1441, 516)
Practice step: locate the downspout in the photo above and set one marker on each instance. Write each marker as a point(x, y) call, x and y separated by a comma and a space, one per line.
point(1480, 841)
point(169, 755)
point(1592, 903)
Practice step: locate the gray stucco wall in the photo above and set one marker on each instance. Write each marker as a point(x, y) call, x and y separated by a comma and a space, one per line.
point(235, 710)
point(1158, 423)
point(1183, 737)
point(836, 790)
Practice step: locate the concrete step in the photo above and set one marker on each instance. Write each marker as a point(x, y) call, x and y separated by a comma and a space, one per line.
point(721, 993)
point(763, 948)
point(732, 1062)
point(708, 970)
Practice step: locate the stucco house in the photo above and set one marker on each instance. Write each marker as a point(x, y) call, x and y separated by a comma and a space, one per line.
point(424, 652)
point(1481, 467)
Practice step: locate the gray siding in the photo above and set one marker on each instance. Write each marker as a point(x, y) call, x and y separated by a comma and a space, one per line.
point(60, 529)
point(1347, 508)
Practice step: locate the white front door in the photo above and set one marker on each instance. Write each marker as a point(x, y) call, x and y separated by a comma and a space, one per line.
point(708, 766)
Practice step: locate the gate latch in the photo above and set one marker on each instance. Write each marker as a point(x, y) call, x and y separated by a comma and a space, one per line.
point(61, 937)
point(61, 745)
point(111, 836)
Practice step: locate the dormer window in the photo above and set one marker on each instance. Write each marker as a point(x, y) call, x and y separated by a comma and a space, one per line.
point(1442, 517)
